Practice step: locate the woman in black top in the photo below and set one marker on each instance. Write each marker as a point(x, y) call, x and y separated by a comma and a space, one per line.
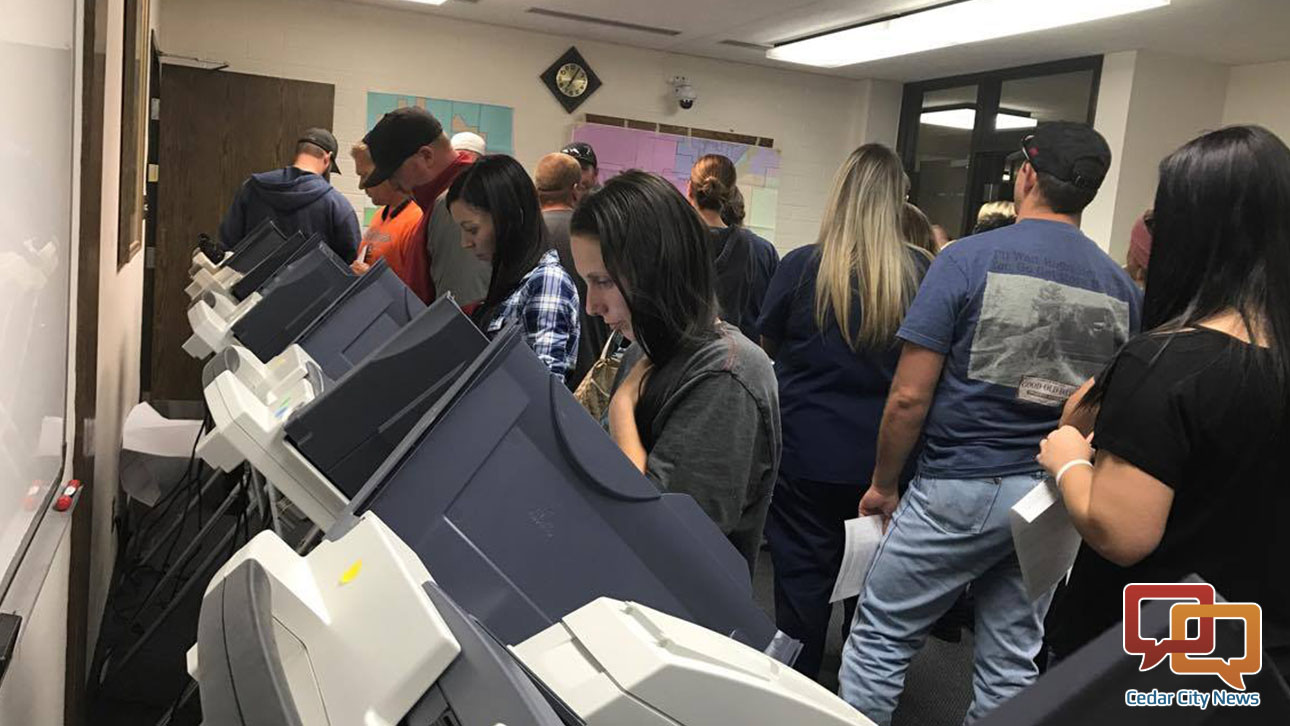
point(696, 408)
point(1193, 417)
point(744, 262)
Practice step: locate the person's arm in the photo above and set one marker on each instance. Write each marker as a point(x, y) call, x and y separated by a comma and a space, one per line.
point(345, 229)
point(360, 266)
point(1077, 415)
point(1146, 433)
point(772, 260)
point(772, 320)
point(928, 333)
point(710, 447)
point(622, 415)
point(233, 227)
point(550, 317)
point(1117, 508)
point(912, 391)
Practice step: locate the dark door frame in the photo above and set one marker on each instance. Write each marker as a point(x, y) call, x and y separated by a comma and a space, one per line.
point(93, 68)
point(989, 89)
point(151, 169)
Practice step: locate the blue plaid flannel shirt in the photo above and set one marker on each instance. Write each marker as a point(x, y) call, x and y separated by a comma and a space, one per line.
point(546, 305)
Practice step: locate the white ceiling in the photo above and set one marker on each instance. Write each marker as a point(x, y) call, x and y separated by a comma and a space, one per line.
point(1223, 31)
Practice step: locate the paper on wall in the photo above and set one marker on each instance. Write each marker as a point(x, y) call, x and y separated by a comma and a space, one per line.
point(863, 536)
point(1045, 538)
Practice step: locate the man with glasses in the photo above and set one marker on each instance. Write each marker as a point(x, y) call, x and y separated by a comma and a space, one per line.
point(409, 148)
point(1007, 324)
point(586, 157)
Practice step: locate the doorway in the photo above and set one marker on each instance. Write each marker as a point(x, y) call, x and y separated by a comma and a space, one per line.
point(956, 133)
point(216, 128)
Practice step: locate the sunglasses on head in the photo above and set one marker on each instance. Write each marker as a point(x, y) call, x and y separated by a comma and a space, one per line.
point(1023, 154)
point(576, 153)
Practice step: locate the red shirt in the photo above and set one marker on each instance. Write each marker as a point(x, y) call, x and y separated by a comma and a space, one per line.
point(416, 260)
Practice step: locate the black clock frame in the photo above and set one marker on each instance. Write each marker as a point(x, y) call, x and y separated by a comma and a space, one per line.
point(570, 103)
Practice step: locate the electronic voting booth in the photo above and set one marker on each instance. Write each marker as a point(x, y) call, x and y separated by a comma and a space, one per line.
point(482, 509)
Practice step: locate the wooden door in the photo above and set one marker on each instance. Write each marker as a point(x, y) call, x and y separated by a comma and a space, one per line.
point(217, 127)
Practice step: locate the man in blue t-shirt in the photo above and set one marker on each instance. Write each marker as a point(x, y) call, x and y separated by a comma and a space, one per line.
point(1007, 324)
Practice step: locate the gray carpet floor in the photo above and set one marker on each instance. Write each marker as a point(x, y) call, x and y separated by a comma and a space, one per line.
point(938, 686)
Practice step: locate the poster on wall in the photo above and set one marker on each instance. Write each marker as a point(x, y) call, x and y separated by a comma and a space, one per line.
point(671, 156)
point(495, 123)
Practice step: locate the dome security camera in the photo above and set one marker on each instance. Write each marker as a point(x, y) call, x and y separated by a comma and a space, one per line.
point(683, 92)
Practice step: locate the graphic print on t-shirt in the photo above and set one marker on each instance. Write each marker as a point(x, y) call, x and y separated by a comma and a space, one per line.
point(1044, 338)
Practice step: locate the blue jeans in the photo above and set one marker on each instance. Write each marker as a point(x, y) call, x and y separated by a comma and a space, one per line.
point(945, 534)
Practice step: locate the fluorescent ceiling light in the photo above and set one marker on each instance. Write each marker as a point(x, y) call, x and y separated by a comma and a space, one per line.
point(955, 118)
point(965, 118)
point(969, 21)
point(428, 2)
point(1008, 122)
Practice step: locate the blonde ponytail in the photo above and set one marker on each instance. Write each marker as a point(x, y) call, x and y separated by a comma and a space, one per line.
point(863, 250)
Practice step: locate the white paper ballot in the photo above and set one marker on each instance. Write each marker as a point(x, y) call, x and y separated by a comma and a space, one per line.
point(1045, 538)
point(863, 536)
point(148, 432)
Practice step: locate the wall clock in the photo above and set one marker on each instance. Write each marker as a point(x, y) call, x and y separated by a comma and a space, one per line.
point(570, 80)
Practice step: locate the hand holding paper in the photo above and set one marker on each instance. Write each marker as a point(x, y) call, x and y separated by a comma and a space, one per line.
point(877, 502)
point(863, 536)
point(1045, 538)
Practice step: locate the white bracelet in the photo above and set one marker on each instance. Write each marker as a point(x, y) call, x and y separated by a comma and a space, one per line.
point(1067, 467)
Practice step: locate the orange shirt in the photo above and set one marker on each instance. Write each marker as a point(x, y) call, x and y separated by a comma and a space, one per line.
point(391, 230)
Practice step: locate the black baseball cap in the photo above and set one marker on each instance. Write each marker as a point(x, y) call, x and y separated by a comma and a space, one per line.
point(581, 151)
point(396, 137)
point(1072, 152)
point(323, 139)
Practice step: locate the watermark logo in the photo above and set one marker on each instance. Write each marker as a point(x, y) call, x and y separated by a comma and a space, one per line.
point(1187, 655)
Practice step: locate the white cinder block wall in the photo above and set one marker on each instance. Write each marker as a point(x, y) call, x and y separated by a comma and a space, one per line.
point(119, 330)
point(1260, 94)
point(814, 119)
point(1149, 104)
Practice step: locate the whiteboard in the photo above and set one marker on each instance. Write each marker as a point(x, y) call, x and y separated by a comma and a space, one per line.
point(37, 144)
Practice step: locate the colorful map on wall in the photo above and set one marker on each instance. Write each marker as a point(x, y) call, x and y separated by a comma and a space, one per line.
point(671, 156)
point(495, 123)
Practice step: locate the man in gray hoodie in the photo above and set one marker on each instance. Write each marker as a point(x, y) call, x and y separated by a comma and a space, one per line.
point(297, 197)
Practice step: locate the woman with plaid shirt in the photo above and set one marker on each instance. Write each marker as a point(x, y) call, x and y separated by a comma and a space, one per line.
point(496, 205)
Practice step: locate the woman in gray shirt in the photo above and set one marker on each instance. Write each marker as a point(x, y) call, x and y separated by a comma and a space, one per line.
point(696, 407)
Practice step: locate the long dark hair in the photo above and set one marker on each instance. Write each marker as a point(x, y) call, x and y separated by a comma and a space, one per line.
point(655, 248)
point(1222, 242)
point(498, 185)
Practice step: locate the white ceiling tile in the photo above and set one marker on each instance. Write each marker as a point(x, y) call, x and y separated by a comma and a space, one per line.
point(1220, 31)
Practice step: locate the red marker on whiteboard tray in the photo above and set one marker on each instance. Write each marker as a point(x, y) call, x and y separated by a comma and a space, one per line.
point(64, 501)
